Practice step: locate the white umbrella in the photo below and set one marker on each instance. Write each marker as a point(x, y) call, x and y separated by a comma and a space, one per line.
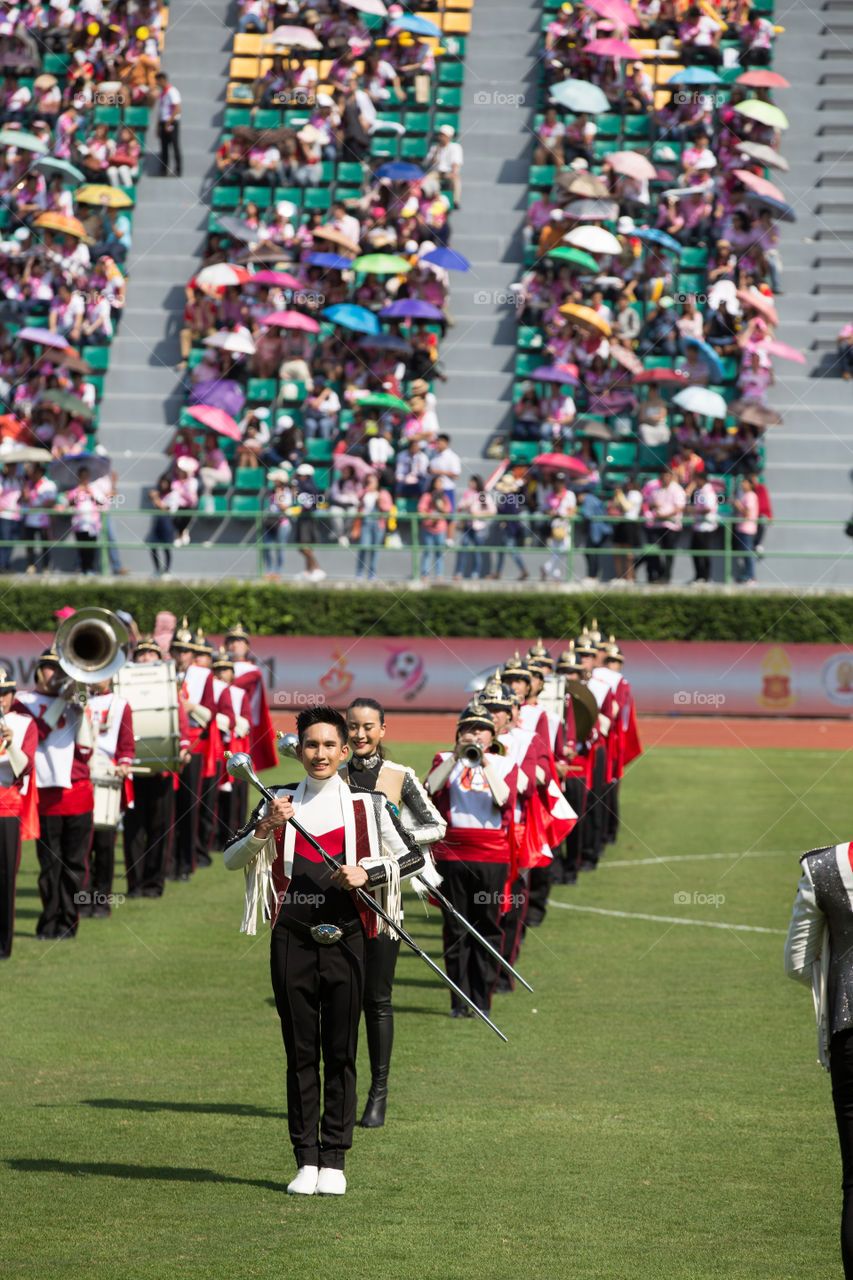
point(24, 453)
point(291, 38)
point(227, 340)
point(594, 240)
point(708, 404)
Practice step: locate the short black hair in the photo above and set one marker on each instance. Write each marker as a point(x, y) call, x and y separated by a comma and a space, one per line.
point(320, 715)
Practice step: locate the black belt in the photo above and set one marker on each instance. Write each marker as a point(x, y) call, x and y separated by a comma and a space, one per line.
point(324, 934)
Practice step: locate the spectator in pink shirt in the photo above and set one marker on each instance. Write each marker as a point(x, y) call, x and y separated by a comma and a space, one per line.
point(665, 501)
point(746, 527)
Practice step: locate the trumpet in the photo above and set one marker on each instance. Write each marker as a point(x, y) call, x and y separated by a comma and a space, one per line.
point(471, 754)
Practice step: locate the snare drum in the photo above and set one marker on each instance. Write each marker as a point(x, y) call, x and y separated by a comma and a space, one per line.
point(152, 691)
point(107, 809)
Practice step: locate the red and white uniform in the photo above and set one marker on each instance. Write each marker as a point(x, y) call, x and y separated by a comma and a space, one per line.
point(17, 764)
point(477, 826)
point(249, 677)
point(62, 756)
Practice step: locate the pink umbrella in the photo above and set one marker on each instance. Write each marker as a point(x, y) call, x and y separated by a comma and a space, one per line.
point(627, 358)
point(292, 320)
point(759, 303)
point(276, 277)
point(763, 79)
point(782, 350)
point(359, 466)
point(221, 275)
point(616, 10)
point(561, 462)
point(631, 164)
point(217, 419)
point(609, 48)
point(760, 186)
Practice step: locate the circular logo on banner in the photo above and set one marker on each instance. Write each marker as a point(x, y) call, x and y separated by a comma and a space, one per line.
point(836, 677)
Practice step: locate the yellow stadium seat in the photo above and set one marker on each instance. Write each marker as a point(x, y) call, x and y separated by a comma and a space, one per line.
point(243, 69)
point(456, 24)
point(248, 45)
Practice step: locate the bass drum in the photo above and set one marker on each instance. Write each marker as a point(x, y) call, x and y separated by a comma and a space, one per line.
point(152, 691)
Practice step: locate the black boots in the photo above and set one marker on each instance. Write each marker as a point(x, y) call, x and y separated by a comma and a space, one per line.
point(380, 1038)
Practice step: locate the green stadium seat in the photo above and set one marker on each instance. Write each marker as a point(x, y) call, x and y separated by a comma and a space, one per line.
point(349, 173)
point(267, 119)
point(97, 357)
point(225, 197)
point(261, 196)
point(262, 390)
point(317, 197)
point(246, 505)
point(136, 117)
point(317, 450)
point(249, 479)
point(451, 73)
point(621, 455)
point(108, 115)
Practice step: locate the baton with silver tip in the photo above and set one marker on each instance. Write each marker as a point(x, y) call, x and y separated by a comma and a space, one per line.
point(239, 765)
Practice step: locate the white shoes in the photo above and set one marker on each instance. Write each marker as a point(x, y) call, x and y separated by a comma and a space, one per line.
point(331, 1182)
point(317, 575)
point(305, 1182)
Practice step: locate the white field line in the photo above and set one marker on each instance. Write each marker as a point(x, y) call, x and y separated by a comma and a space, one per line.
point(637, 915)
point(695, 857)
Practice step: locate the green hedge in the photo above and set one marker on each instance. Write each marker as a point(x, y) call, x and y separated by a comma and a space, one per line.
point(267, 609)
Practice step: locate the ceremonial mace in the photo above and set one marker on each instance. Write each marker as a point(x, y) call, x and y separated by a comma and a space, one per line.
point(239, 765)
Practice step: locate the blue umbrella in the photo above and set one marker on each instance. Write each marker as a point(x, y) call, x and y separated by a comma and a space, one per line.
point(694, 75)
point(447, 258)
point(334, 261)
point(411, 308)
point(399, 171)
point(385, 342)
point(653, 236)
point(781, 211)
point(708, 354)
point(580, 95)
point(349, 316)
point(417, 26)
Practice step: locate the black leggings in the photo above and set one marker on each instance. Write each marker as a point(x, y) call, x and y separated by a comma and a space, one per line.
point(841, 1071)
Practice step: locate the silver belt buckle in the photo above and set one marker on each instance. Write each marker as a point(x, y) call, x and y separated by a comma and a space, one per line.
point(326, 934)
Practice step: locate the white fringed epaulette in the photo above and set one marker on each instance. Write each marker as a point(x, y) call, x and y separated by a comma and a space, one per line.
point(259, 887)
point(388, 895)
point(427, 878)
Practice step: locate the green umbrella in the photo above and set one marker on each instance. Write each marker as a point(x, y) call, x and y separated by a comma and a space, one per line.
point(51, 166)
point(72, 404)
point(381, 400)
point(763, 112)
point(382, 264)
point(565, 253)
point(23, 141)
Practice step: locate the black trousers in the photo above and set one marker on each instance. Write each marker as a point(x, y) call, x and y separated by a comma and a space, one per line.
point(10, 860)
point(513, 920)
point(318, 995)
point(700, 545)
point(63, 850)
point(474, 888)
point(539, 883)
point(611, 811)
point(208, 802)
point(170, 138)
point(102, 865)
point(592, 845)
point(87, 547)
point(380, 964)
point(186, 815)
point(574, 789)
point(659, 567)
point(841, 1072)
point(148, 833)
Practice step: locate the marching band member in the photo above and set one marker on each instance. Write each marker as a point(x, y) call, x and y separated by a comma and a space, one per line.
point(234, 729)
point(149, 821)
point(195, 687)
point(368, 768)
point(574, 781)
point(595, 750)
point(65, 796)
point(18, 816)
point(474, 791)
point(249, 677)
point(319, 929)
point(214, 760)
point(112, 721)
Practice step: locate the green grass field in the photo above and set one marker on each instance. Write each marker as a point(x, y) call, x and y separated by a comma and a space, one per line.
point(658, 1113)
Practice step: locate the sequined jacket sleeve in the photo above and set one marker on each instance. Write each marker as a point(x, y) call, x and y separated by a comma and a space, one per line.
point(420, 816)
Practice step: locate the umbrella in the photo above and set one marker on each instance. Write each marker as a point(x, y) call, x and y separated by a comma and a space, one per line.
point(61, 222)
point(566, 253)
point(350, 316)
point(580, 96)
point(764, 112)
point(24, 453)
point(374, 7)
point(592, 210)
point(612, 49)
point(70, 404)
point(653, 235)
point(65, 471)
point(560, 462)
point(100, 193)
point(23, 141)
point(594, 240)
point(227, 340)
point(69, 360)
point(381, 400)
point(291, 38)
point(627, 359)
point(359, 466)
point(45, 337)
point(559, 373)
point(222, 275)
point(760, 186)
point(45, 81)
point(411, 308)
point(684, 193)
point(763, 79)
point(51, 166)
point(616, 10)
point(695, 75)
point(708, 354)
point(447, 259)
point(591, 429)
point(237, 229)
point(400, 171)
point(385, 342)
point(216, 419)
point(760, 303)
point(755, 414)
point(416, 26)
point(266, 252)
point(781, 211)
point(219, 393)
point(631, 164)
point(583, 184)
point(782, 350)
point(708, 404)
point(282, 278)
point(331, 261)
point(336, 237)
point(382, 264)
point(766, 156)
point(658, 375)
point(586, 318)
point(292, 320)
